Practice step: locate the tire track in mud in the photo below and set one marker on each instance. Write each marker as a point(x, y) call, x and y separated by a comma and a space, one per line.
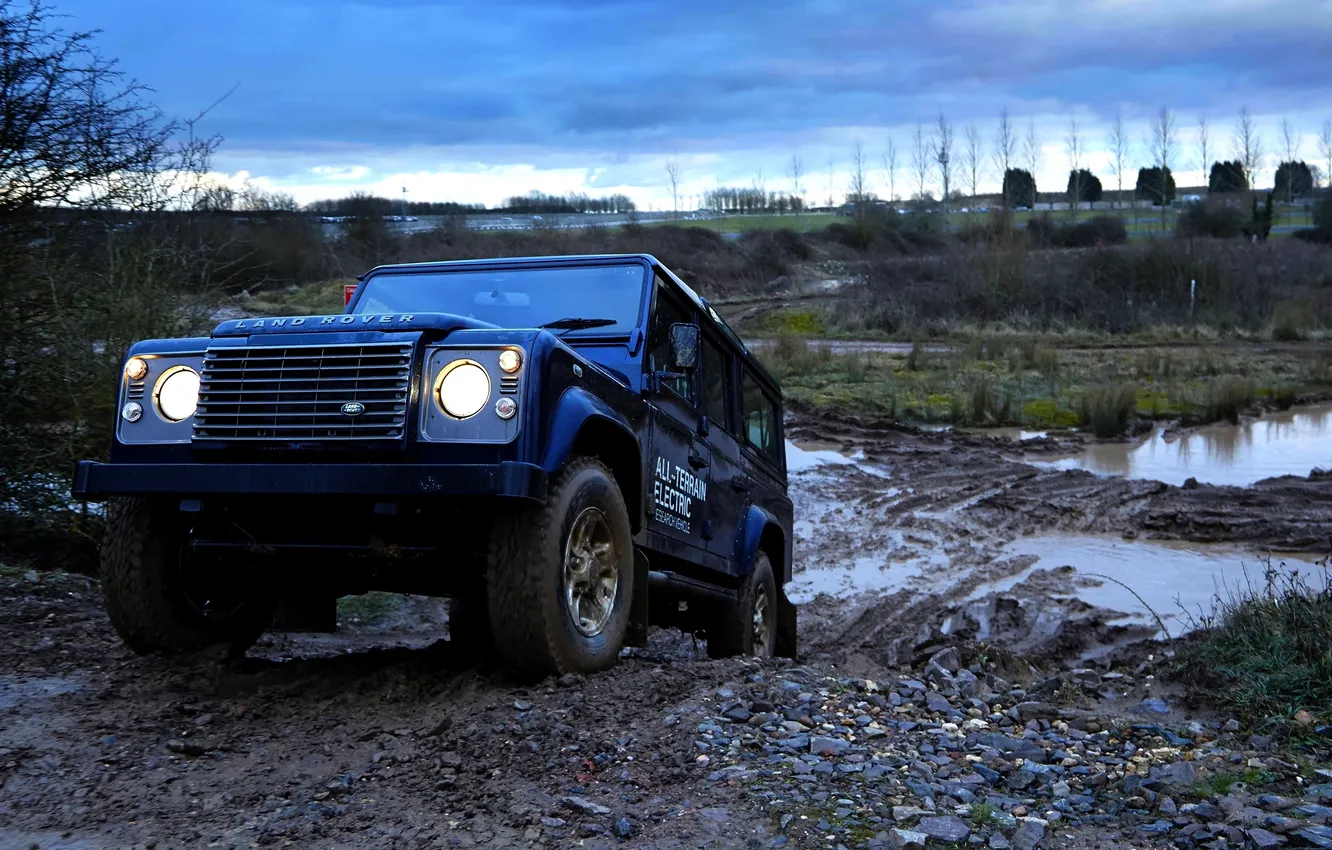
point(904, 540)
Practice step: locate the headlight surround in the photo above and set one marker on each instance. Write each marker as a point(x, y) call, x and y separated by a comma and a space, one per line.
point(176, 395)
point(463, 389)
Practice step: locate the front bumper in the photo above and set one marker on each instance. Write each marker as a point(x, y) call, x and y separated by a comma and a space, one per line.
point(94, 481)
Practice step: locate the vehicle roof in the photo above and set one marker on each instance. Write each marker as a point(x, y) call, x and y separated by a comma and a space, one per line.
point(558, 261)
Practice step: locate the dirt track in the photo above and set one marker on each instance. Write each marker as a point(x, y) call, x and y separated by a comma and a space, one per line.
point(385, 736)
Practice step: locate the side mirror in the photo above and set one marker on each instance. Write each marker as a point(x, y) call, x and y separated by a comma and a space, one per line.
point(684, 346)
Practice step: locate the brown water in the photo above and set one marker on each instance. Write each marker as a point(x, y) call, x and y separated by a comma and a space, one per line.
point(1178, 581)
point(1294, 442)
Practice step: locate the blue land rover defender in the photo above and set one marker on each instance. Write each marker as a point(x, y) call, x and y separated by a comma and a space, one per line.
point(568, 448)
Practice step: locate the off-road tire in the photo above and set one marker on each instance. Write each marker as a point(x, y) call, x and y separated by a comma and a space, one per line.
point(140, 561)
point(734, 631)
point(534, 633)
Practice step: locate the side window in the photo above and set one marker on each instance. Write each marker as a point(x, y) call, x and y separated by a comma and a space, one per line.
point(760, 424)
point(666, 312)
point(716, 385)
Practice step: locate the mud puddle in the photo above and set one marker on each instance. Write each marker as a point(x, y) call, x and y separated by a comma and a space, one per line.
point(1293, 442)
point(905, 539)
point(1174, 580)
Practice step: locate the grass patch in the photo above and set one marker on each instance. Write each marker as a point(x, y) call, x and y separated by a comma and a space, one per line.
point(1263, 650)
point(1221, 784)
point(368, 606)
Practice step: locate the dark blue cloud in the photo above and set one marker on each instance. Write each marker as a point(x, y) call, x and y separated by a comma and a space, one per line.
point(621, 77)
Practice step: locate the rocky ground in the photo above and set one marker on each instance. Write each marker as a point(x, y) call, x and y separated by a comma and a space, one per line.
point(972, 700)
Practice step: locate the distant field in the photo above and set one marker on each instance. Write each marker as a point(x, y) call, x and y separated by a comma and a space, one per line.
point(800, 222)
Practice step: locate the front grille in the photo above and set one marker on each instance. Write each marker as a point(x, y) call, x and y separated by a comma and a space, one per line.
point(298, 393)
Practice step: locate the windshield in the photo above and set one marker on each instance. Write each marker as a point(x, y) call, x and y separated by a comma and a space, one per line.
point(517, 298)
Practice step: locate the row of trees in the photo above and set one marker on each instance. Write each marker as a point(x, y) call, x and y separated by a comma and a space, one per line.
point(726, 199)
point(538, 202)
point(933, 159)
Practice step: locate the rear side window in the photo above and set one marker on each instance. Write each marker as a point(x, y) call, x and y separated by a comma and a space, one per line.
point(760, 426)
point(716, 385)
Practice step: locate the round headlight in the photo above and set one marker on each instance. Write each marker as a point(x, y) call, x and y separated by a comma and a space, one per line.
point(510, 360)
point(136, 368)
point(177, 394)
point(463, 389)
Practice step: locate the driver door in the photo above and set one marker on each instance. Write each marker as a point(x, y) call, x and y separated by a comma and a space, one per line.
point(677, 460)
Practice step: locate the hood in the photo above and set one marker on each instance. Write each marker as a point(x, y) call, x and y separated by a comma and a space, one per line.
point(344, 322)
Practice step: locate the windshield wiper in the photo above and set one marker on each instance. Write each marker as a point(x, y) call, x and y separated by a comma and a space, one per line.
point(574, 323)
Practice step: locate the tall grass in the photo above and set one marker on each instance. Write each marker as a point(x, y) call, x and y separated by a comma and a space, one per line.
point(1263, 650)
point(1107, 410)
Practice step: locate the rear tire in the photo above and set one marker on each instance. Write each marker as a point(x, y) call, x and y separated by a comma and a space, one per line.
point(142, 582)
point(560, 577)
point(749, 625)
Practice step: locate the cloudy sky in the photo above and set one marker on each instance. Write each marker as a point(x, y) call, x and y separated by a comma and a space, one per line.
point(474, 101)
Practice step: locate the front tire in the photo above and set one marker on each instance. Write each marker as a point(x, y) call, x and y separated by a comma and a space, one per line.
point(560, 577)
point(749, 625)
point(146, 599)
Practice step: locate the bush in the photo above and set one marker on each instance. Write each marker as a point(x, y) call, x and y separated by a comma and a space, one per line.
point(1093, 233)
point(1227, 398)
point(1107, 410)
point(1263, 650)
point(1216, 221)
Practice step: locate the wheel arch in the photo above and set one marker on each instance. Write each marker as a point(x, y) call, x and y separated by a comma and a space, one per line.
point(584, 425)
point(764, 533)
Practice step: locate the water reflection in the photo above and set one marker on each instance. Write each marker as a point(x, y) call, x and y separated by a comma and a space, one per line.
point(1293, 442)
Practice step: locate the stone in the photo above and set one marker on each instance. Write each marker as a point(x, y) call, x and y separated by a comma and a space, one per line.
point(902, 839)
point(948, 829)
point(1232, 725)
point(936, 701)
point(948, 659)
point(1175, 775)
point(999, 842)
point(1315, 836)
point(585, 806)
point(965, 682)
point(1027, 711)
point(623, 827)
point(1086, 677)
point(1029, 835)
point(906, 813)
point(1152, 705)
point(828, 746)
point(1264, 840)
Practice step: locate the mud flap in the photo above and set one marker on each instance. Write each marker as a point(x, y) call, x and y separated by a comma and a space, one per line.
point(638, 607)
point(318, 614)
point(786, 626)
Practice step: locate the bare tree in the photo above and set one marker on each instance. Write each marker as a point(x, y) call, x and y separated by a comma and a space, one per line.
point(796, 169)
point(1325, 148)
point(920, 161)
point(858, 197)
point(942, 145)
point(1291, 141)
point(1204, 140)
point(1073, 142)
point(1120, 153)
point(1031, 150)
point(1248, 147)
point(1005, 151)
point(673, 175)
point(890, 167)
point(974, 155)
point(1162, 143)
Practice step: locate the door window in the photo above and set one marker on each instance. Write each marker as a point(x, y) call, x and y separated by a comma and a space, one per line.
point(666, 312)
point(760, 414)
point(716, 385)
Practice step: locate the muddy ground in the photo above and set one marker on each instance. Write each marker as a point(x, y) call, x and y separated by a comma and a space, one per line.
point(386, 735)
